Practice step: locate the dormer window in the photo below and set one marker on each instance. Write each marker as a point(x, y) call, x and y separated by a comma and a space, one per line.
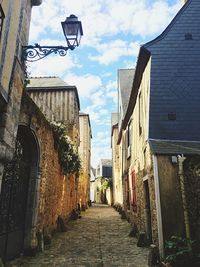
point(2, 16)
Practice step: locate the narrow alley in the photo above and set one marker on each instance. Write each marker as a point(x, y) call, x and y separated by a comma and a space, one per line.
point(99, 238)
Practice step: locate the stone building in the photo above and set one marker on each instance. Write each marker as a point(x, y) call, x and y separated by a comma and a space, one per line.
point(85, 156)
point(162, 117)
point(117, 179)
point(92, 183)
point(14, 30)
point(123, 142)
point(58, 101)
point(51, 195)
point(103, 182)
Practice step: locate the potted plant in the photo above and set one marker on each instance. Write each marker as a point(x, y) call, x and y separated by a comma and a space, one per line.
point(181, 252)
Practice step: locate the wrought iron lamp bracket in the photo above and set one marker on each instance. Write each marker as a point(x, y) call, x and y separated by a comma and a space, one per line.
point(36, 52)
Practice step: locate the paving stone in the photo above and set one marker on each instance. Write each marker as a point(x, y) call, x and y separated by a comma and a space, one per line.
point(99, 239)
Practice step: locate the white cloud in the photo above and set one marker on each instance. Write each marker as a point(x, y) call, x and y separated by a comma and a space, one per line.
point(98, 98)
point(111, 91)
point(97, 114)
point(113, 95)
point(101, 147)
point(111, 85)
point(86, 84)
point(102, 18)
point(111, 52)
point(152, 20)
point(100, 152)
point(106, 74)
point(51, 66)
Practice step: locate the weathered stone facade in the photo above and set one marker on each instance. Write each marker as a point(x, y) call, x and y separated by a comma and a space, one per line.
point(13, 36)
point(192, 186)
point(156, 186)
point(17, 16)
point(117, 182)
point(85, 156)
point(55, 194)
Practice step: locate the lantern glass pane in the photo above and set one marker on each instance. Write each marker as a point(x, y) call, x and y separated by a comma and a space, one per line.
point(71, 29)
point(78, 37)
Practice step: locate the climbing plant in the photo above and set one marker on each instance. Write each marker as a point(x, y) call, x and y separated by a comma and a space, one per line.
point(106, 183)
point(68, 156)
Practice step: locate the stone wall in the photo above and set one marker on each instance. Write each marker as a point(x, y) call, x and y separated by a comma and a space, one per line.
point(192, 187)
point(85, 156)
point(117, 181)
point(144, 201)
point(83, 190)
point(17, 16)
point(57, 194)
point(170, 196)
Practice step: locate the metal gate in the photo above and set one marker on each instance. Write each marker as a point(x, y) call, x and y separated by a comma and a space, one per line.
point(13, 200)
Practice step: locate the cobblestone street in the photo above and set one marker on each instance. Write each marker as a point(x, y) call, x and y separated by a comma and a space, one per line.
point(99, 239)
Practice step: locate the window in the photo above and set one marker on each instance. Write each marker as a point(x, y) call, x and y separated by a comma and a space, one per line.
point(2, 16)
point(129, 134)
point(129, 139)
point(134, 198)
point(140, 114)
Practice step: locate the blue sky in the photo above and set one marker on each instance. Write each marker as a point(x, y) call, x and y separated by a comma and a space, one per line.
point(113, 32)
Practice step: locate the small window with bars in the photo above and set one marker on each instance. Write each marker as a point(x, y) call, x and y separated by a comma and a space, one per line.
point(2, 16)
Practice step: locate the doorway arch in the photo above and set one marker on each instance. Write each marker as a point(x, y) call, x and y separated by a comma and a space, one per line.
point(18, 194)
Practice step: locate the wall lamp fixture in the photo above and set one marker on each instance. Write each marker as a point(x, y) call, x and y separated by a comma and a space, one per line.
point(73, 31)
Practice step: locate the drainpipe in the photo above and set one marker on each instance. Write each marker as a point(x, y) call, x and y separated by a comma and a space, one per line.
point(181, 159)
point(1, 175)
point(158, 206)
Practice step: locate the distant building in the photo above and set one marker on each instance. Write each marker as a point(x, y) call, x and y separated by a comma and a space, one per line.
point(92, 183)
point(103, 182)
point(104, 168)
point(125, 83)
point(117, 180)
point(85, 156)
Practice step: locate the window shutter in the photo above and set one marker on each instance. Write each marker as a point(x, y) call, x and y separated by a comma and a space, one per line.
point(134, 197)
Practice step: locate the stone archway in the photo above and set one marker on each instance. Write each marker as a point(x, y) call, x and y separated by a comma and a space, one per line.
point(18, 195)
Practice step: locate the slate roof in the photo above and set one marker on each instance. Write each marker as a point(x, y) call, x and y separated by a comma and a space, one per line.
point(143, 57)
point(88, 116)
point(46, 82)
point(174, 147)
point(125, 80)
point(114, 118)
point(106, 162)
point(174, 83)
point(50, 84)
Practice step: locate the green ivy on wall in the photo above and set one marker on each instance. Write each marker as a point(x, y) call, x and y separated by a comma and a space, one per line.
point(68, 156)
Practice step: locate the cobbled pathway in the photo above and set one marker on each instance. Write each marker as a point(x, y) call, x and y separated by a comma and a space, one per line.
point(99, 239)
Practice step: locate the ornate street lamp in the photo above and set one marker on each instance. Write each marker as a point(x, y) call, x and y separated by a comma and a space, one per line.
point(73, 31)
